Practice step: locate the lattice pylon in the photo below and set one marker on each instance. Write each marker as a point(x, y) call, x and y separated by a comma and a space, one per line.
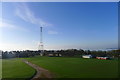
point(41, 43)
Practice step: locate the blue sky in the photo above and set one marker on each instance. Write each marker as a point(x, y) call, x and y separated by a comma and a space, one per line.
point(85, 25)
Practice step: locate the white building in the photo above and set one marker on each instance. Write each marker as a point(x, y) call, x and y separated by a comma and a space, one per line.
point(87, 56)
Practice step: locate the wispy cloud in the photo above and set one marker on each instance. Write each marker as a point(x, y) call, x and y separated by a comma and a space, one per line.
point(52, 32)
point(18, 46)
point(35, 42)
point(24, 12)
point(4, 24)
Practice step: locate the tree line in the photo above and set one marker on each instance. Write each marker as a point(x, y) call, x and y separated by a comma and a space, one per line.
point(64, 53)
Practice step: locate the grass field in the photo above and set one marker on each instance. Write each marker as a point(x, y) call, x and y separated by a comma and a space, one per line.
point(15, 68)
point(78, 67)
point(62, 67)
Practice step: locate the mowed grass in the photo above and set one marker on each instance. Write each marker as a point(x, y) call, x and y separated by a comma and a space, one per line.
point(64, 67)
point(15, 68)
point(0, 68)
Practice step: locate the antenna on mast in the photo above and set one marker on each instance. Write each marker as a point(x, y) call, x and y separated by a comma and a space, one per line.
point(41, 42)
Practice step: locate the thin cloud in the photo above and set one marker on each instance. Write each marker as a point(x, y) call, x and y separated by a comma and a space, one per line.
point(35, 42)
point(24, 12)
point(18, 46)
point(52, 32)
point(11, 26)
point(3, 25)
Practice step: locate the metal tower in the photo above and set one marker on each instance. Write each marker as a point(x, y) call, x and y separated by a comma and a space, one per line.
point(41, 42)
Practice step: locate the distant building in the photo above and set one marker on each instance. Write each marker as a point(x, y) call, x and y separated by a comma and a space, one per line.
point(87, 56)
point(0, 54)
point(54, 55)
point(41, 54)
point(105, 58)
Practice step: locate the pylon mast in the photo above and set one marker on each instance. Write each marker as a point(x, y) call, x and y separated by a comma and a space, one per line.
point(40, 34)
point(41, 41)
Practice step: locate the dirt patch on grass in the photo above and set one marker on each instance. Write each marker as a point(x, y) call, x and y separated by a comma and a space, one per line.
point(40, 72)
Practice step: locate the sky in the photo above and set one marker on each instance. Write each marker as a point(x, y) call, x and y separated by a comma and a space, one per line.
point(60, 0)
point(66, 25)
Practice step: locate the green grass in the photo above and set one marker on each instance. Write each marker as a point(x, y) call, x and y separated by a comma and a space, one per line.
point(15, 68)
point(77, 67)
point(0, 68)
point(62, 67)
